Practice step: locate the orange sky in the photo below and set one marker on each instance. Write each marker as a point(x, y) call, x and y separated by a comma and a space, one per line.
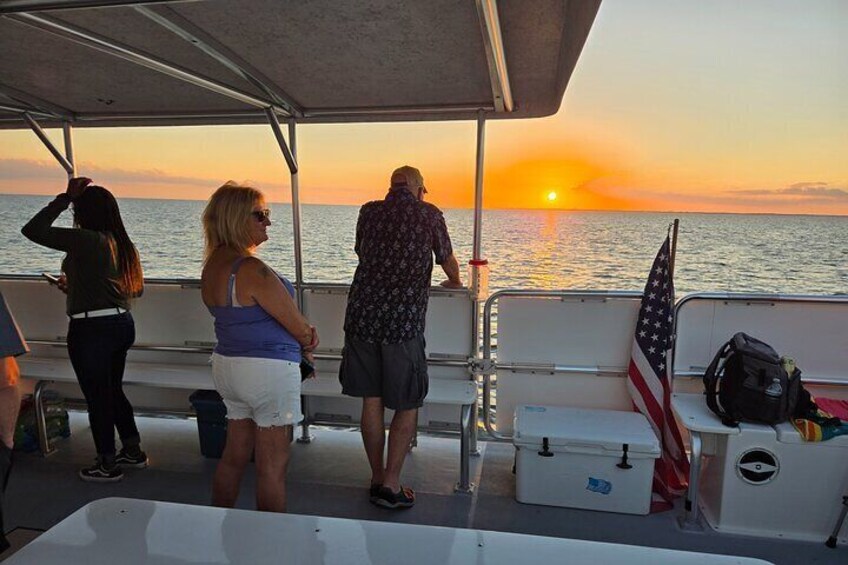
point(730, 107)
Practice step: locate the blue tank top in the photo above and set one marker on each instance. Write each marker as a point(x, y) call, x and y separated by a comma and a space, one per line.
point(249, 331)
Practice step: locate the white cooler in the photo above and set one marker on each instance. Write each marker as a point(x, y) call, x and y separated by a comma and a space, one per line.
point(576, 457)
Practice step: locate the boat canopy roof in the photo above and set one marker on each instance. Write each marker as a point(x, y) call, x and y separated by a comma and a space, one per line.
point(121, 63)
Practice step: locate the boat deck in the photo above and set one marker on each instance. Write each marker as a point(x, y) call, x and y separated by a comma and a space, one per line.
point(329, 478)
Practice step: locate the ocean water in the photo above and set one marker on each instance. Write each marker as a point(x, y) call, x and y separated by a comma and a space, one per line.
point(525, 248)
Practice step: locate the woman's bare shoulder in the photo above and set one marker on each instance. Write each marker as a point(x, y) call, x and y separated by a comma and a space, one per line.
point(256, 270)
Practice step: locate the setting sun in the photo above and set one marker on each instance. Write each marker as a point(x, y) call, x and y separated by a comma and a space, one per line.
point(552, 196)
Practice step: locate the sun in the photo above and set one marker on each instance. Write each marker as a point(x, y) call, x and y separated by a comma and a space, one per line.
point(552, 196)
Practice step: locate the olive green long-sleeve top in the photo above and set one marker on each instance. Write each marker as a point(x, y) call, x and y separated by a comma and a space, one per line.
point(90, 264)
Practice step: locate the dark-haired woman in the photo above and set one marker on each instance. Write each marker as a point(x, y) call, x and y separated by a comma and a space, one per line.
point(102, 273)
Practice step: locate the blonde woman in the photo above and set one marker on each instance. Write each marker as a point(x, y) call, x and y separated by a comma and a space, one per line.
point(261, 337)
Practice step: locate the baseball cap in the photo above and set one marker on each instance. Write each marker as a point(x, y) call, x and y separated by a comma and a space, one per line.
point(407, 176)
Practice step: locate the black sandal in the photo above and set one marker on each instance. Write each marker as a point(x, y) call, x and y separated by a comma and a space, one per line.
point(374, 492)
point(404, 498)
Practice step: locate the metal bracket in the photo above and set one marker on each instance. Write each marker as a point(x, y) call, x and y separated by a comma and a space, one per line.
point(481, 366)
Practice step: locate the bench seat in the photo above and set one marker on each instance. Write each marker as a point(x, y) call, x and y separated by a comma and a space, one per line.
point(462, 393)
point(136, 373)
point(442, 391)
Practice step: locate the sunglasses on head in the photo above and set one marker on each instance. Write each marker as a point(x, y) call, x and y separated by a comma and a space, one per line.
point(261, 215)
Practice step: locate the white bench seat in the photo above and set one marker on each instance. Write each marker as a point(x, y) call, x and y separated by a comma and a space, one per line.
point(136, 373)
point(174, 335)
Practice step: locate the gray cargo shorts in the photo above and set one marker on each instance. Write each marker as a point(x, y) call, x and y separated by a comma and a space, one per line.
point(396, 372)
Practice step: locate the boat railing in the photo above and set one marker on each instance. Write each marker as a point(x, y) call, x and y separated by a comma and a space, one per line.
point(579, 333)
point(810, 328)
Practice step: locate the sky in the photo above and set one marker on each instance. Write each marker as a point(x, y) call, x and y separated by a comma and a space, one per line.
point(675, 105)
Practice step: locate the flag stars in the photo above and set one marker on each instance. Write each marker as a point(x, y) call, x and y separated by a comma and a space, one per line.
point(652, 350)
point(649, 308)
point(643, 333)
point(655, 337)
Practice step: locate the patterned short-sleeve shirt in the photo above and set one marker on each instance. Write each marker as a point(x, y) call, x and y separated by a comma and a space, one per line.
point(396, 240)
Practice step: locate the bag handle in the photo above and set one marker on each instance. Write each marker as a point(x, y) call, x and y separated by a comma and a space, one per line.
point(711, 378)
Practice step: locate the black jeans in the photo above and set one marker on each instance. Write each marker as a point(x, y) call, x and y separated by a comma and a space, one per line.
point(98, 351)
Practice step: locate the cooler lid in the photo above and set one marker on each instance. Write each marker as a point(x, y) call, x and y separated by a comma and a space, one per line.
point(607, 429)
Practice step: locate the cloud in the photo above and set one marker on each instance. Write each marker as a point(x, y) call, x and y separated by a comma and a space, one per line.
point(27, 169)
point(809, 191)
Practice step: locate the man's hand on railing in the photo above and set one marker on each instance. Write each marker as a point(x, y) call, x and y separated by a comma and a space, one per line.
point(63, 283)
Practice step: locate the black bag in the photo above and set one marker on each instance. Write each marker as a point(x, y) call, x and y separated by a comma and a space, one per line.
point(746, 381)
point(307, 369)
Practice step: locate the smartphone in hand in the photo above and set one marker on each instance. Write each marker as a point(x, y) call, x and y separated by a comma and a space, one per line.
point(51, 278)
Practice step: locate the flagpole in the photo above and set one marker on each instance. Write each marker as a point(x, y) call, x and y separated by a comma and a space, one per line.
point(673, 246)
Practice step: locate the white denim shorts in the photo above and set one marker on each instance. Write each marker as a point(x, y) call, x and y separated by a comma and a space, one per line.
point(266, 391)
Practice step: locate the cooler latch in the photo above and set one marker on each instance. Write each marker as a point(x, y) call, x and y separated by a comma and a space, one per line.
point(624, 464)
point(546, 452)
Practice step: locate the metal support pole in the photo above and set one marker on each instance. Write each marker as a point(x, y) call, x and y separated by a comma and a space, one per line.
point(69, 148)
point(478, 185)
point(477, 256)
point(305, 436)
point(47, 143)
point(40, 422)
point(690, 503)
point(295, 194)
point(464, 485)
point(281, 141)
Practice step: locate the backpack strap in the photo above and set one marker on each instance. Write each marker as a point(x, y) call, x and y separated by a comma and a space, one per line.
point(711, 378)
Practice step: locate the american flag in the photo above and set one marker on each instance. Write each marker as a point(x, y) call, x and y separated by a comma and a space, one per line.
point(649, 379)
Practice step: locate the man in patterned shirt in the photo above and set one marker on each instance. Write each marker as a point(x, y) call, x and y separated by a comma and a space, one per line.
point(383, 360)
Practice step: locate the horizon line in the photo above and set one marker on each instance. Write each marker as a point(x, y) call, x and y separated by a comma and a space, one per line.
point(494, 208)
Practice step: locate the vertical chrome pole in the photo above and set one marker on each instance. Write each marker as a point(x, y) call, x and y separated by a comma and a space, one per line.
point(478, 185)
point(305, 436)
point(69, 148)
point(295, 192)
point(476, 255)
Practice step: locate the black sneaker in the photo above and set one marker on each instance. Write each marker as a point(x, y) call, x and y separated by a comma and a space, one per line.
point(404, 498)
point(127, 459)
point(99, 473)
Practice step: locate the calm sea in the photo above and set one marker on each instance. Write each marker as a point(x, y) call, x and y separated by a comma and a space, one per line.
point(526, 249)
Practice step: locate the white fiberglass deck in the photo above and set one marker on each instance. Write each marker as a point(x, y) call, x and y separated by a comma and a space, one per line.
point(329, 478)
point(143, 531)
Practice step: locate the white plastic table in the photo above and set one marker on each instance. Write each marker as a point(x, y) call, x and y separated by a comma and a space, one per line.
point(694, 415)
point(127, 531)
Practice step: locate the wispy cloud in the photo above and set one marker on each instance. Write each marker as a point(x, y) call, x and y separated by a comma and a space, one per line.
point(26, 169)
point(809, 191)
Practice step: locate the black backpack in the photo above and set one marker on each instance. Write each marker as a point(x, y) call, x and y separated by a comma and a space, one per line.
point(746, 382)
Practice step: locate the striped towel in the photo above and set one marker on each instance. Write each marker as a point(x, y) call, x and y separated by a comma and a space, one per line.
point(822, 425)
